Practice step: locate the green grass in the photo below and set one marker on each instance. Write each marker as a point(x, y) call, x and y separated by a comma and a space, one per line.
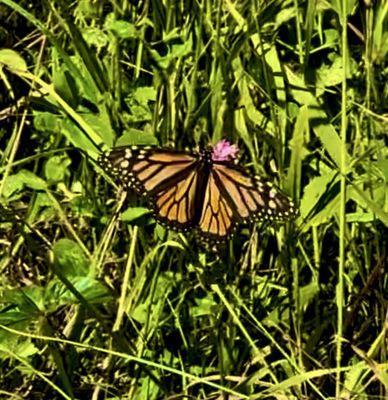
point(96, 300)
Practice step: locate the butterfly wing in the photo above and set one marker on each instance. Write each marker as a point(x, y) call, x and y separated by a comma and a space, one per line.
point(233, 196)
point(167, 178)
point(184, 194)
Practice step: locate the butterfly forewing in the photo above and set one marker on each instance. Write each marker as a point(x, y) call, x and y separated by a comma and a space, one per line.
point(166, 177)
point(250, 198)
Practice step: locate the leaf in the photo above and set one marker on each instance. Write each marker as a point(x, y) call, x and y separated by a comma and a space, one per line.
point(133, 214)
point(122, 29)
point(91, 289)
point(11, 344)
point(303, 377)
point(330, 75)
point(134, 136)
point(65, 85)
point(46, 121)
point(300, 138)
point(12, 60)
point(382, 165)
point(140, 313)
point(319, 121)
point(144, 94)
point(218, 103)
point(307, 294)
point(204, 306)
point(177, 48)
point(58, 295)
point(95, 37)
point(24, 178)
point(337, 5)
point(77, 136)
point(70, 259)
point(378, 204)
point(314, 191)
point(27, 301)
point(56, 169)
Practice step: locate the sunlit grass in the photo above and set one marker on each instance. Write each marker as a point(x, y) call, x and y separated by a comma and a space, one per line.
point(96, 300)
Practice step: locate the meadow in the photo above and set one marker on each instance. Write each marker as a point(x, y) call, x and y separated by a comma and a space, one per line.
point(97, 299)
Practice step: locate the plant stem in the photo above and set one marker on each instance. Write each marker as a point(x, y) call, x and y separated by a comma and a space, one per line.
point(342, 216)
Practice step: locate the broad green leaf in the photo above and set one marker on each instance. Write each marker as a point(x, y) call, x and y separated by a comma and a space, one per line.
point(360, 217)
point(122, 29)
point(47, 122)
point(80, 140)
point(140, 313)
point(92, 64)
point(378, 204)
point(19, 346)
point(28, 300)
point(58, 295)
point(177, 49)
point(380, 33)
point(330, 75)
point(337, 5)
point(21, 180)
point(91, 289)
point(134, 136)
point(314, 191)
point(353, 383)
point(204, 306)
point(382, 165)
point(56, 168)
point(95, 37)
point(144, 94)
point(133, 214)
point(70, 259)
point(148, 389)
point(101, 123)
point(15, 317)
point(12, 60)
point(245, 98)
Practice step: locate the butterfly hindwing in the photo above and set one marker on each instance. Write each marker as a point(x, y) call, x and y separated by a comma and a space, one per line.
point(216, 222)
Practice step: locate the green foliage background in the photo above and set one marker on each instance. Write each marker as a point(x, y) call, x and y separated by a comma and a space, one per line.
point(96, 300)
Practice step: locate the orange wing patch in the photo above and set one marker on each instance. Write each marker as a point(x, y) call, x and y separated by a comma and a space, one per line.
point(216, 218)
point(247, 196)
point(234, 175)
point(176, 204)
point(164, 174)
point(170, 157)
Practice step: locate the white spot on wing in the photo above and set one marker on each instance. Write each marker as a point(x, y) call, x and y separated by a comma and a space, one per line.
point(271, 203)
point(272, 193)
point(128, 153)
point(124, 164)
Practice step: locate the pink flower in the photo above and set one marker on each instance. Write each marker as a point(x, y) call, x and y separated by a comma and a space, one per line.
point(224, 151)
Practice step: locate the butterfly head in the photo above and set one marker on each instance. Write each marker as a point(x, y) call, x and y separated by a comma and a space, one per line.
point(224, 151)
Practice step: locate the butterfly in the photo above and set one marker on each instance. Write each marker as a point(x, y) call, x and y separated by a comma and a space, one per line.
point(203, 191)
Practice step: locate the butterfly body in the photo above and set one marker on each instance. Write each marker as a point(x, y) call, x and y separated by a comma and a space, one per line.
point(204, 190)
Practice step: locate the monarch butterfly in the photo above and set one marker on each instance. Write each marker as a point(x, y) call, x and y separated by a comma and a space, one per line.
point(203, 191)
